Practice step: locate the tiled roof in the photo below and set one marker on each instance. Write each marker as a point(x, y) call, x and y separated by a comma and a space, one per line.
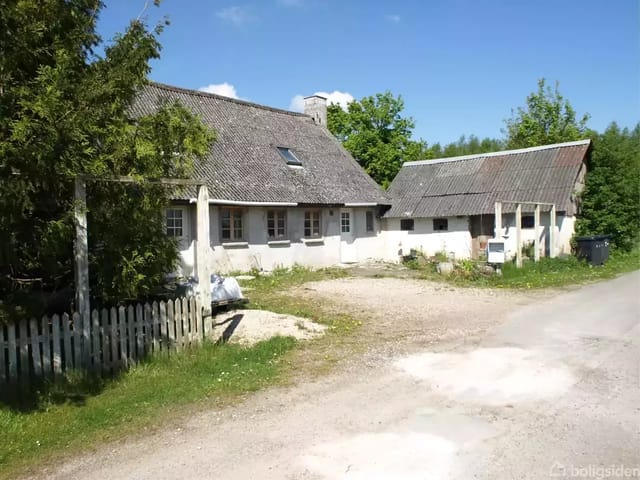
point(471, 185)
point(244, 164)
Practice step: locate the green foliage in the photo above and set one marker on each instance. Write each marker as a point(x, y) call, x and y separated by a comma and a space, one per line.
point(466, 146)
point(375, 133)
point(548, 118)
point(85, 411)
point(611, 199)
point(64, 110)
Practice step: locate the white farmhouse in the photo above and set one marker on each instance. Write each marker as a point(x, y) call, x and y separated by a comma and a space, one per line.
point(282, 189)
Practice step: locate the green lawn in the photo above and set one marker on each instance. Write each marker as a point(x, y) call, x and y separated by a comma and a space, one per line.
point(548, 272)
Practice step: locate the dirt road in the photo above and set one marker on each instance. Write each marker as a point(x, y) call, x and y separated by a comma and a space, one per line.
point(448, 383)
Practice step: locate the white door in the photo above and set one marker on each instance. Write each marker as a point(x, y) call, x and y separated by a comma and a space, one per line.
point(347, 237)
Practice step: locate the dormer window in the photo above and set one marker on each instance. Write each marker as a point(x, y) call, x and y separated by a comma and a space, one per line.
point(289, 156)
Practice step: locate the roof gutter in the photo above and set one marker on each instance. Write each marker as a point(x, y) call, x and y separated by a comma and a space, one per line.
point(362, 204)
point(218, 201)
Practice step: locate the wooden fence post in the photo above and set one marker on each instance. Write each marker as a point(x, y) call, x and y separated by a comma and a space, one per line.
point(82, 265)
point(202, 248)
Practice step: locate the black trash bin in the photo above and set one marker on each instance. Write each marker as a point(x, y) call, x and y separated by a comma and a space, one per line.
point(594, 250)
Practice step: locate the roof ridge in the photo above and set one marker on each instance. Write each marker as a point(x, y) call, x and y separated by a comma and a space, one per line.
point(200, 93)
point(499, 153)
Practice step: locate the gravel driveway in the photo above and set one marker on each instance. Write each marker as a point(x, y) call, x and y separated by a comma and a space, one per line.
point(445, 383)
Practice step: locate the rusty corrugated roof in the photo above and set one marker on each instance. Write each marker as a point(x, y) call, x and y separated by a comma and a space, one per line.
point(471, 185)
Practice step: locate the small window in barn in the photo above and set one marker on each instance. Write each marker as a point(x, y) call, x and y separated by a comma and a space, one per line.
point(277, 224)
point(174, 222)
point(406, 224)
point(369, 221)
point(440, 224)
point(528, 221)
point(289, 156)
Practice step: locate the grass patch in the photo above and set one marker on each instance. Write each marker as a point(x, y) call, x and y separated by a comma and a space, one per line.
point(548, 272)
point(268, 292)
point(83, 412)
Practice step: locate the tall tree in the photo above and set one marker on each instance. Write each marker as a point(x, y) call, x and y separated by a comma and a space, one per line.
point(611, 199)
point(547, 118)
point(376, 134)
point(66, 110)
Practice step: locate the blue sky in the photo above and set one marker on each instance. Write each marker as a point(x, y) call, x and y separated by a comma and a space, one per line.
point(461, 66)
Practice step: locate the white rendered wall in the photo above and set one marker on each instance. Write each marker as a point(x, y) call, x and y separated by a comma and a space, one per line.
point(257, 252)
point(455, 242)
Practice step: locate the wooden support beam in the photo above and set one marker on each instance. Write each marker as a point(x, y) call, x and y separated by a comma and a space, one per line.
point(202, 248)
point(536, 232)
point(82, 265)
point(157, 181)
point(519, 235)
point(498, 220)
point(552, 232)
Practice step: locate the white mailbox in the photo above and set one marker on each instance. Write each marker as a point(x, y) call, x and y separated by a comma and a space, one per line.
point(495, 251)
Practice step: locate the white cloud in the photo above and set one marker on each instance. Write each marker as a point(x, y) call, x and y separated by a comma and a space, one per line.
point(340, 98)
point(237, 15)
point(394, 18)
point(225, 89)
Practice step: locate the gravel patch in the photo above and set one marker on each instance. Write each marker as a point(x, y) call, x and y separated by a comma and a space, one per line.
point(247, 327)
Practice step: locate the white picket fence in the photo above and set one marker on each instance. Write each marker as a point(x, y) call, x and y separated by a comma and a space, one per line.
point(118, 338)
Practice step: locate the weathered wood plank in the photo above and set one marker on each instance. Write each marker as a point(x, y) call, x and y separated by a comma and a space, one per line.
point(139, 323)
point(45, 325)
point(122, 321)
point(78, 336)
point(147, 329)
point(57, 356)
point(35, 348)
point(96, 359)
point(4, 374)
point(171, 326)
point(178, 323)
point(131, 335)
point(105, 347)
point(113, 338)
point(67, 353)
point(155, 327)
point(185, 319)
point(24, 350)
point(13, 357)
point(162, 309)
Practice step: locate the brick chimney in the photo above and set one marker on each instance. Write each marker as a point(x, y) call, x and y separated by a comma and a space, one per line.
point(316, 107)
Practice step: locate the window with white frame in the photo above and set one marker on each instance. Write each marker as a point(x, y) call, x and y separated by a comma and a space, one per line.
point(345, 222)
point(175, 222)
point(277, 224)
point(231, 225)
point(312, 223)
point(369, 221)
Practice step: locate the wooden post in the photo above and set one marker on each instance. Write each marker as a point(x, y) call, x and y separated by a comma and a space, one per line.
point(536, 232)
point(552, 232)
point(519, 235)
point(82, 265)
point(498, 220)
point(202, 249)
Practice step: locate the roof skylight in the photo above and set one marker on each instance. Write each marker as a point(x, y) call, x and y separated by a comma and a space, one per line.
point(289, 156)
